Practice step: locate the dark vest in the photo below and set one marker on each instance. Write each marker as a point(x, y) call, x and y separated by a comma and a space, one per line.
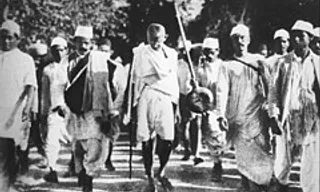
point(74, 95)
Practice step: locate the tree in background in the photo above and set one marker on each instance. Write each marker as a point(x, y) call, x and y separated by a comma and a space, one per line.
point(125, 21)
point(263, 17)
point(50, 18)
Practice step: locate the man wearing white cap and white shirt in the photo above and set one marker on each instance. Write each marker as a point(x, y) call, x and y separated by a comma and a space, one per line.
point(207, 73)
point(18, 85)
point(294, 105)
point(89, 99)
point(241, 96)
point(315, 43)
point(53, 109)
point(281, 45)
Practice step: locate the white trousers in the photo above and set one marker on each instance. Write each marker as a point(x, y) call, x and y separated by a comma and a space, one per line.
point(56, 132)
point(309, 162)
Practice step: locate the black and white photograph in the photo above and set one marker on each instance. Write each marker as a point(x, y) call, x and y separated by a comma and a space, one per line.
point(159, 95)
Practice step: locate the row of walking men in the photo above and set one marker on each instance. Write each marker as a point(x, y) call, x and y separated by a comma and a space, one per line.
point(250, 96)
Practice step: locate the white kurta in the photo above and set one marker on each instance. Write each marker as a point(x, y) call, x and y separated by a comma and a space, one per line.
point(303, 122)
point(17, 70)
point(54, 82)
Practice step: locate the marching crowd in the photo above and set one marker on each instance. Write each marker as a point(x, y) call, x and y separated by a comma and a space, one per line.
point(264, 106)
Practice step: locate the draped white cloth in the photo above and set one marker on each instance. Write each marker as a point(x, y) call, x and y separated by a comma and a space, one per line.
point(156, 88)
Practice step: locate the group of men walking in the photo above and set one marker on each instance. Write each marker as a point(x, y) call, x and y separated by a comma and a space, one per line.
point(266, 109)
point(77, 104)
point(252, 100)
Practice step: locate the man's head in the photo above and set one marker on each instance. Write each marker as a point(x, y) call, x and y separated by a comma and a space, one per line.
point(210, 49)
point(281, 41)
point(181, 49)
point(33, 37)
point(59, 48)
point(156, 35)
point(240, 37)
point(105, 45)
point(263, 49)
point(301, 34)
point(38, 51)
point(9, 35)
point(315, 44)
point(83, 39)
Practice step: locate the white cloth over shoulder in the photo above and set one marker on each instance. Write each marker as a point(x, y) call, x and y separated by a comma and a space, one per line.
point(157, 69)
point(156, 88)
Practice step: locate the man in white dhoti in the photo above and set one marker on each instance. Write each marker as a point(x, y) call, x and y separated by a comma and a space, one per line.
point(294, 105)
point(18, 85)
point(156, 95)
point(241, 95)
point(53, 106)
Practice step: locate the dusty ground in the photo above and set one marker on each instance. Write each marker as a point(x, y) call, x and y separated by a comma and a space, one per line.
point(184, 176)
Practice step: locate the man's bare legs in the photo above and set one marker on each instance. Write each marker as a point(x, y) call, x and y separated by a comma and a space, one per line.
point(164, 148)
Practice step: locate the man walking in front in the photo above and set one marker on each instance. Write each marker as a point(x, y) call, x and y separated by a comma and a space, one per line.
point(156, 96)
point(88, 96)
point(241, 94)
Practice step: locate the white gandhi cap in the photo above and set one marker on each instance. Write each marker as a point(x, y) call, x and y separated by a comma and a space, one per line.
point(59, 41)
point(11, 26)
point(281, 33)
point(210, 43)
point(39, 49)
point(84, 31)
point(316, 32)
point(240, 29)
point(303, 26)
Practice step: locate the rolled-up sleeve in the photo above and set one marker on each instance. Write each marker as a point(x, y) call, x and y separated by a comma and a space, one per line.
point(30, 73)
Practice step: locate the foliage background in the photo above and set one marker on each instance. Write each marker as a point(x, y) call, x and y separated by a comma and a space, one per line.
point(125, 21)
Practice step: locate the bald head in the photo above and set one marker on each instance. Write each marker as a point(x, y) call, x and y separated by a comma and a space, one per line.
point(154, 28)
point(156, 35)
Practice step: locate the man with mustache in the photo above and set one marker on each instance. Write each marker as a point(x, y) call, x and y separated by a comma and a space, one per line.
point(241, 95)
point(89, 98)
